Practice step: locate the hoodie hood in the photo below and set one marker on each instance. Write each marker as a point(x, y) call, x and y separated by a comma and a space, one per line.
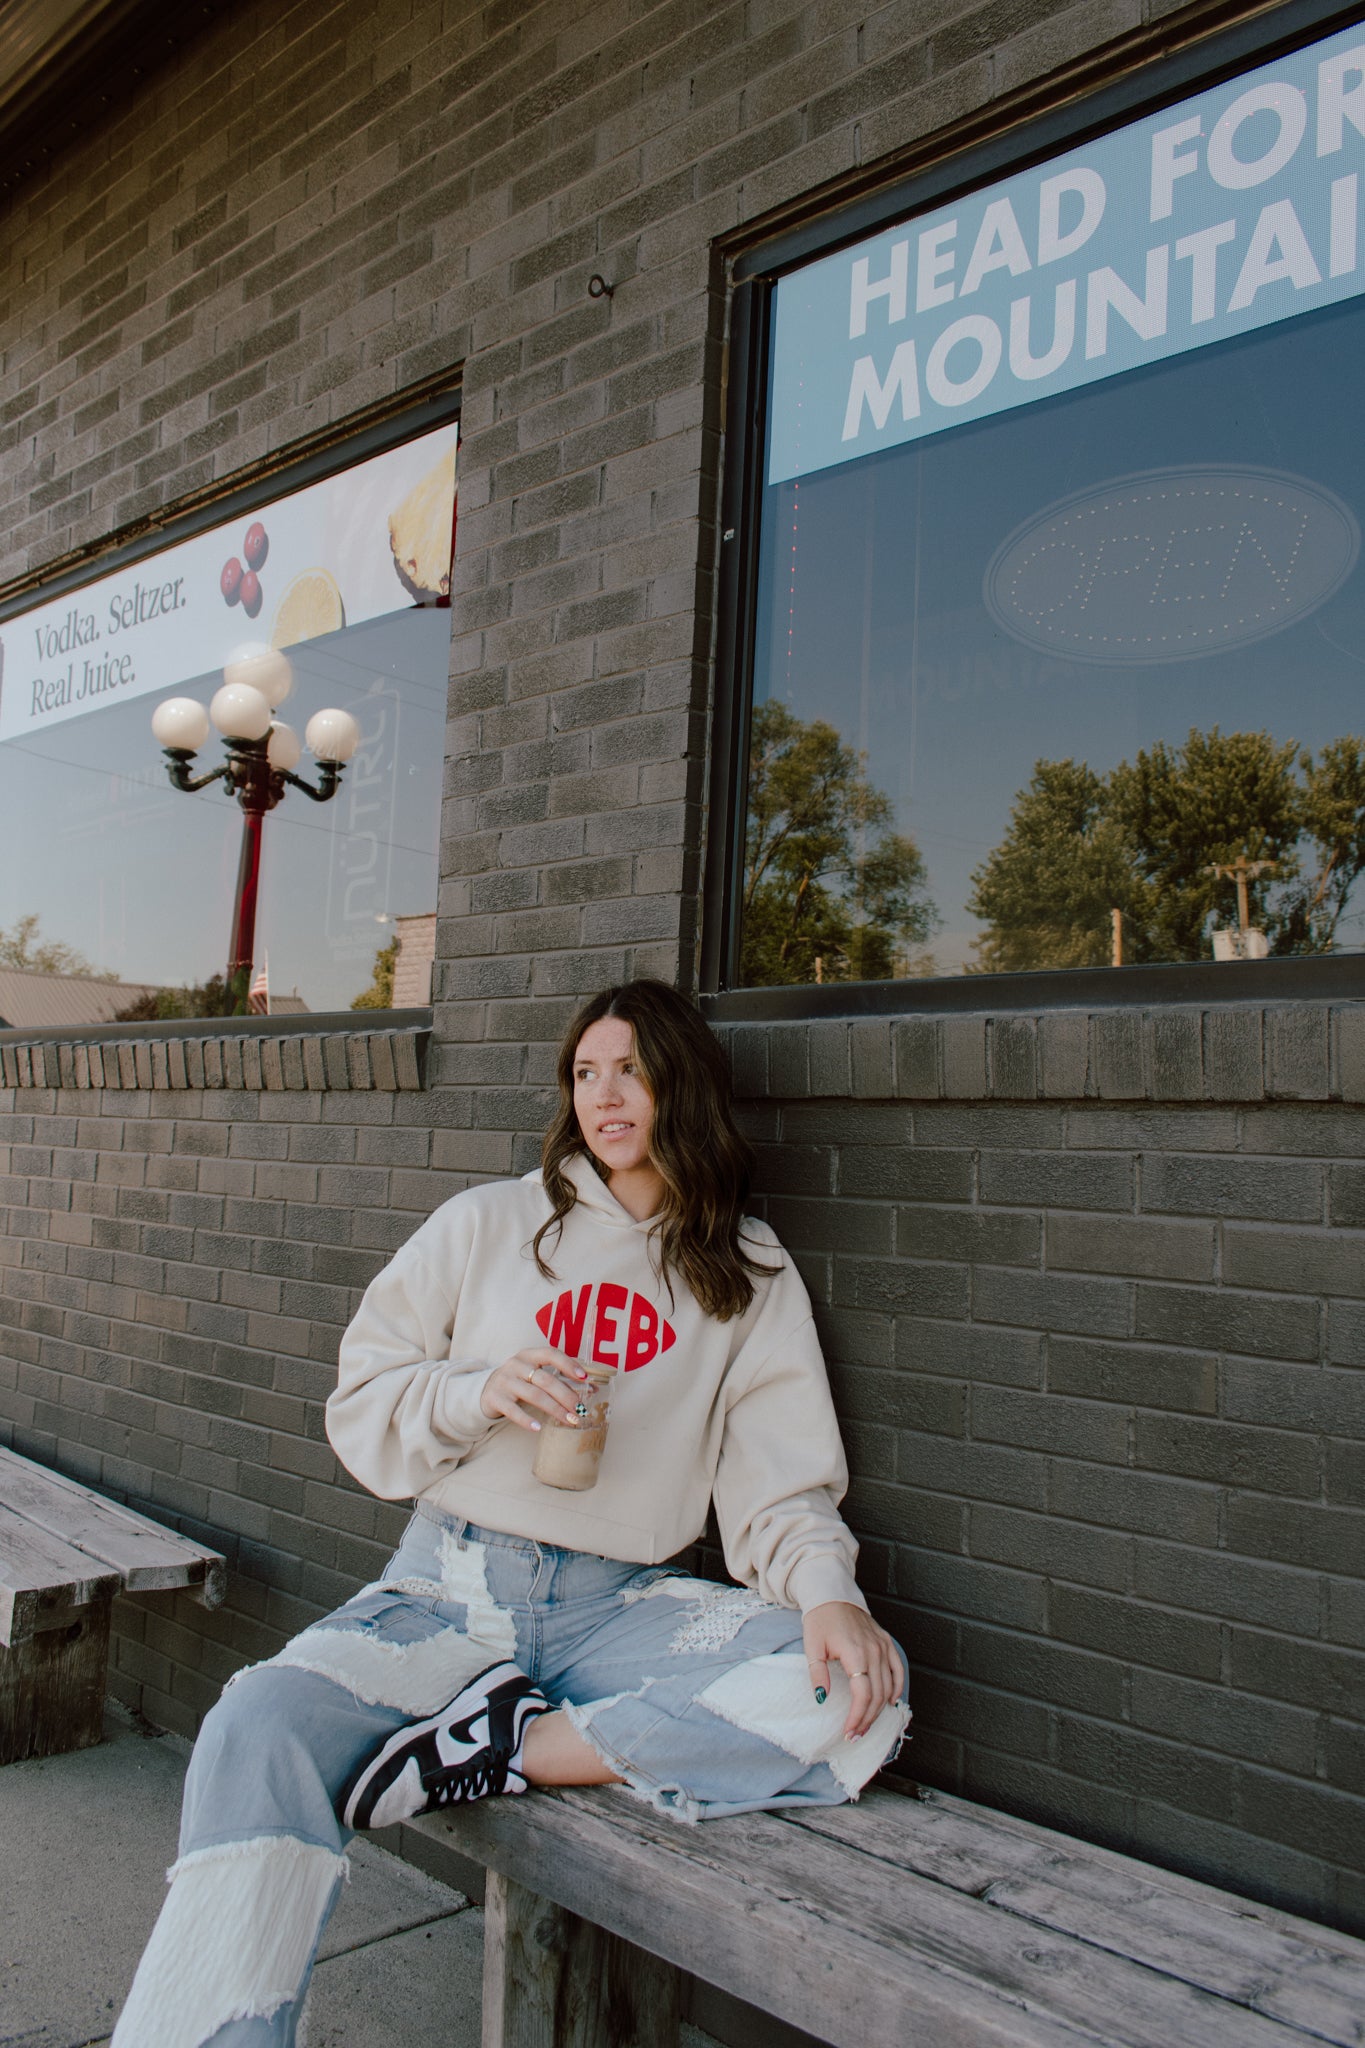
point(593, 1192)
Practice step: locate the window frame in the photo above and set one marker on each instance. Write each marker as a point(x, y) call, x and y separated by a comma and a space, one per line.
point(404, 417)
point(958, 162)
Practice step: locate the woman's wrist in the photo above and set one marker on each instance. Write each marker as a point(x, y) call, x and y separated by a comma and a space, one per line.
point(814, 1581)
point(459, 1412)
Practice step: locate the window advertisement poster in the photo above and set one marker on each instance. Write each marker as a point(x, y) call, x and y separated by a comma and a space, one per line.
point(1237, 208)
point(368, 541)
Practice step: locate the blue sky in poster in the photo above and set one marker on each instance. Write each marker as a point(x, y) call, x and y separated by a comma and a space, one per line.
point(1233, 210)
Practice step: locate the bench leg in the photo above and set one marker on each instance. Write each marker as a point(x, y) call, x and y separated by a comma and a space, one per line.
point(551, 1980)
point(52, 1686)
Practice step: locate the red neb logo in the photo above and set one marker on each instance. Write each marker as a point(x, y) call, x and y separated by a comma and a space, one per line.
point(617, 1338)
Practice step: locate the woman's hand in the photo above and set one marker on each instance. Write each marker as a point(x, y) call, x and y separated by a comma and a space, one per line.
point(532, 1385)
point(837, 1632)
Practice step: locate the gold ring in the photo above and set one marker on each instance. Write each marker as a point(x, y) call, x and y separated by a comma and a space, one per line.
point(859, 1674)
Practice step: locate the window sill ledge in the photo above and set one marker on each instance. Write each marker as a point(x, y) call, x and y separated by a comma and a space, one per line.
point(1304, 1051)
point(388, 1053)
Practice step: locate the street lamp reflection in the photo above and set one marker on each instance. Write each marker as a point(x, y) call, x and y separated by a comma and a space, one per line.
point(263, 753)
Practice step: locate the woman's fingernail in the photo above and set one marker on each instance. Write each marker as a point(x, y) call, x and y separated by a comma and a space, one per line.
point(820, 1695)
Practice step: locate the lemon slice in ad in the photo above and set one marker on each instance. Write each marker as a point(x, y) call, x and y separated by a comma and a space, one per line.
point(310, 606)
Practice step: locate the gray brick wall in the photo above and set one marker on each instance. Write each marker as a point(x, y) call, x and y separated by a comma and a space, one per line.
point(176, 1267)
point(1096, 1371)
point(1091, 1286)
point(1093, 1292)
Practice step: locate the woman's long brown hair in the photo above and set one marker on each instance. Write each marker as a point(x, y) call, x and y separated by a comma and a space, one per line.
point(704, 1162)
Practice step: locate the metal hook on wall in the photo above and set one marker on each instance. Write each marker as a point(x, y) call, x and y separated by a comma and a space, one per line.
point(598, 288)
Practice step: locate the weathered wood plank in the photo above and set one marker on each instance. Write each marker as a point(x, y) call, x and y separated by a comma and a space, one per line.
point(39, 1572)
point(1268, 1961)
point(146, 1556)
point(52, 1687)
point(862, 1957)
point(982, 1840)
point(1316, 1990)
point(551, 1980)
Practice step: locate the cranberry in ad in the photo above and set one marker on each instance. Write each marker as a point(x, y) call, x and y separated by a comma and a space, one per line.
point(251, 593)
point(256, 546)
point(230, 582)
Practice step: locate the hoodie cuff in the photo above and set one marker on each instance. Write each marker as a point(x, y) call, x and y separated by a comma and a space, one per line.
point(456, 1411)
point(817, 1579)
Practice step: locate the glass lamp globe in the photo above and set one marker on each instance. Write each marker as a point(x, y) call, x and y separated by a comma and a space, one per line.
point(284, 747)
point(332, 735)
point(240, 712)
point(263, 668)
point(181, 724)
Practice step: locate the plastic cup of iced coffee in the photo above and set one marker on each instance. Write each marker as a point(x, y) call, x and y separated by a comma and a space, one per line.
point(568, 1456)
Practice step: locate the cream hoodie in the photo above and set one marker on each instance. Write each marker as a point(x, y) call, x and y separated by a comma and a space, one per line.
point(738, 1411)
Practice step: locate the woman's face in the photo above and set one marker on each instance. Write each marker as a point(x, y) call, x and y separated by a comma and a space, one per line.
point(614, 1107)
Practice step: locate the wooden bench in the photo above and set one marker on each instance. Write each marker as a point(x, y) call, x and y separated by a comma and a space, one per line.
point(911, 1920)
point(64, 1553)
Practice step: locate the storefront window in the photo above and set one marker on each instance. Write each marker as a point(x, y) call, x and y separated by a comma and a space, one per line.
point(112, 878)
point(1060, 649)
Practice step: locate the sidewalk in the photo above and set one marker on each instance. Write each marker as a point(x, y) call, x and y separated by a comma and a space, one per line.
point(85, 1841)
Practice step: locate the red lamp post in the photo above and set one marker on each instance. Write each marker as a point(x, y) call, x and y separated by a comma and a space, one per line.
point(262, 755)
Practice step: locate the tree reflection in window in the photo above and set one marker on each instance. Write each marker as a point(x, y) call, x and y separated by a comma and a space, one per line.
point(831, 892)
point(1149, 839)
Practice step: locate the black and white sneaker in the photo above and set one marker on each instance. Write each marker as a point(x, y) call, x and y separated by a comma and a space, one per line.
point(471, 1748)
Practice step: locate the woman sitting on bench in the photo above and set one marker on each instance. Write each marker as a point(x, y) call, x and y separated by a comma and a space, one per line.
point(523, 1633)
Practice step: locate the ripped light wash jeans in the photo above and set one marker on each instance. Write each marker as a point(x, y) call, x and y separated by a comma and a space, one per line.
point(697, 1695)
